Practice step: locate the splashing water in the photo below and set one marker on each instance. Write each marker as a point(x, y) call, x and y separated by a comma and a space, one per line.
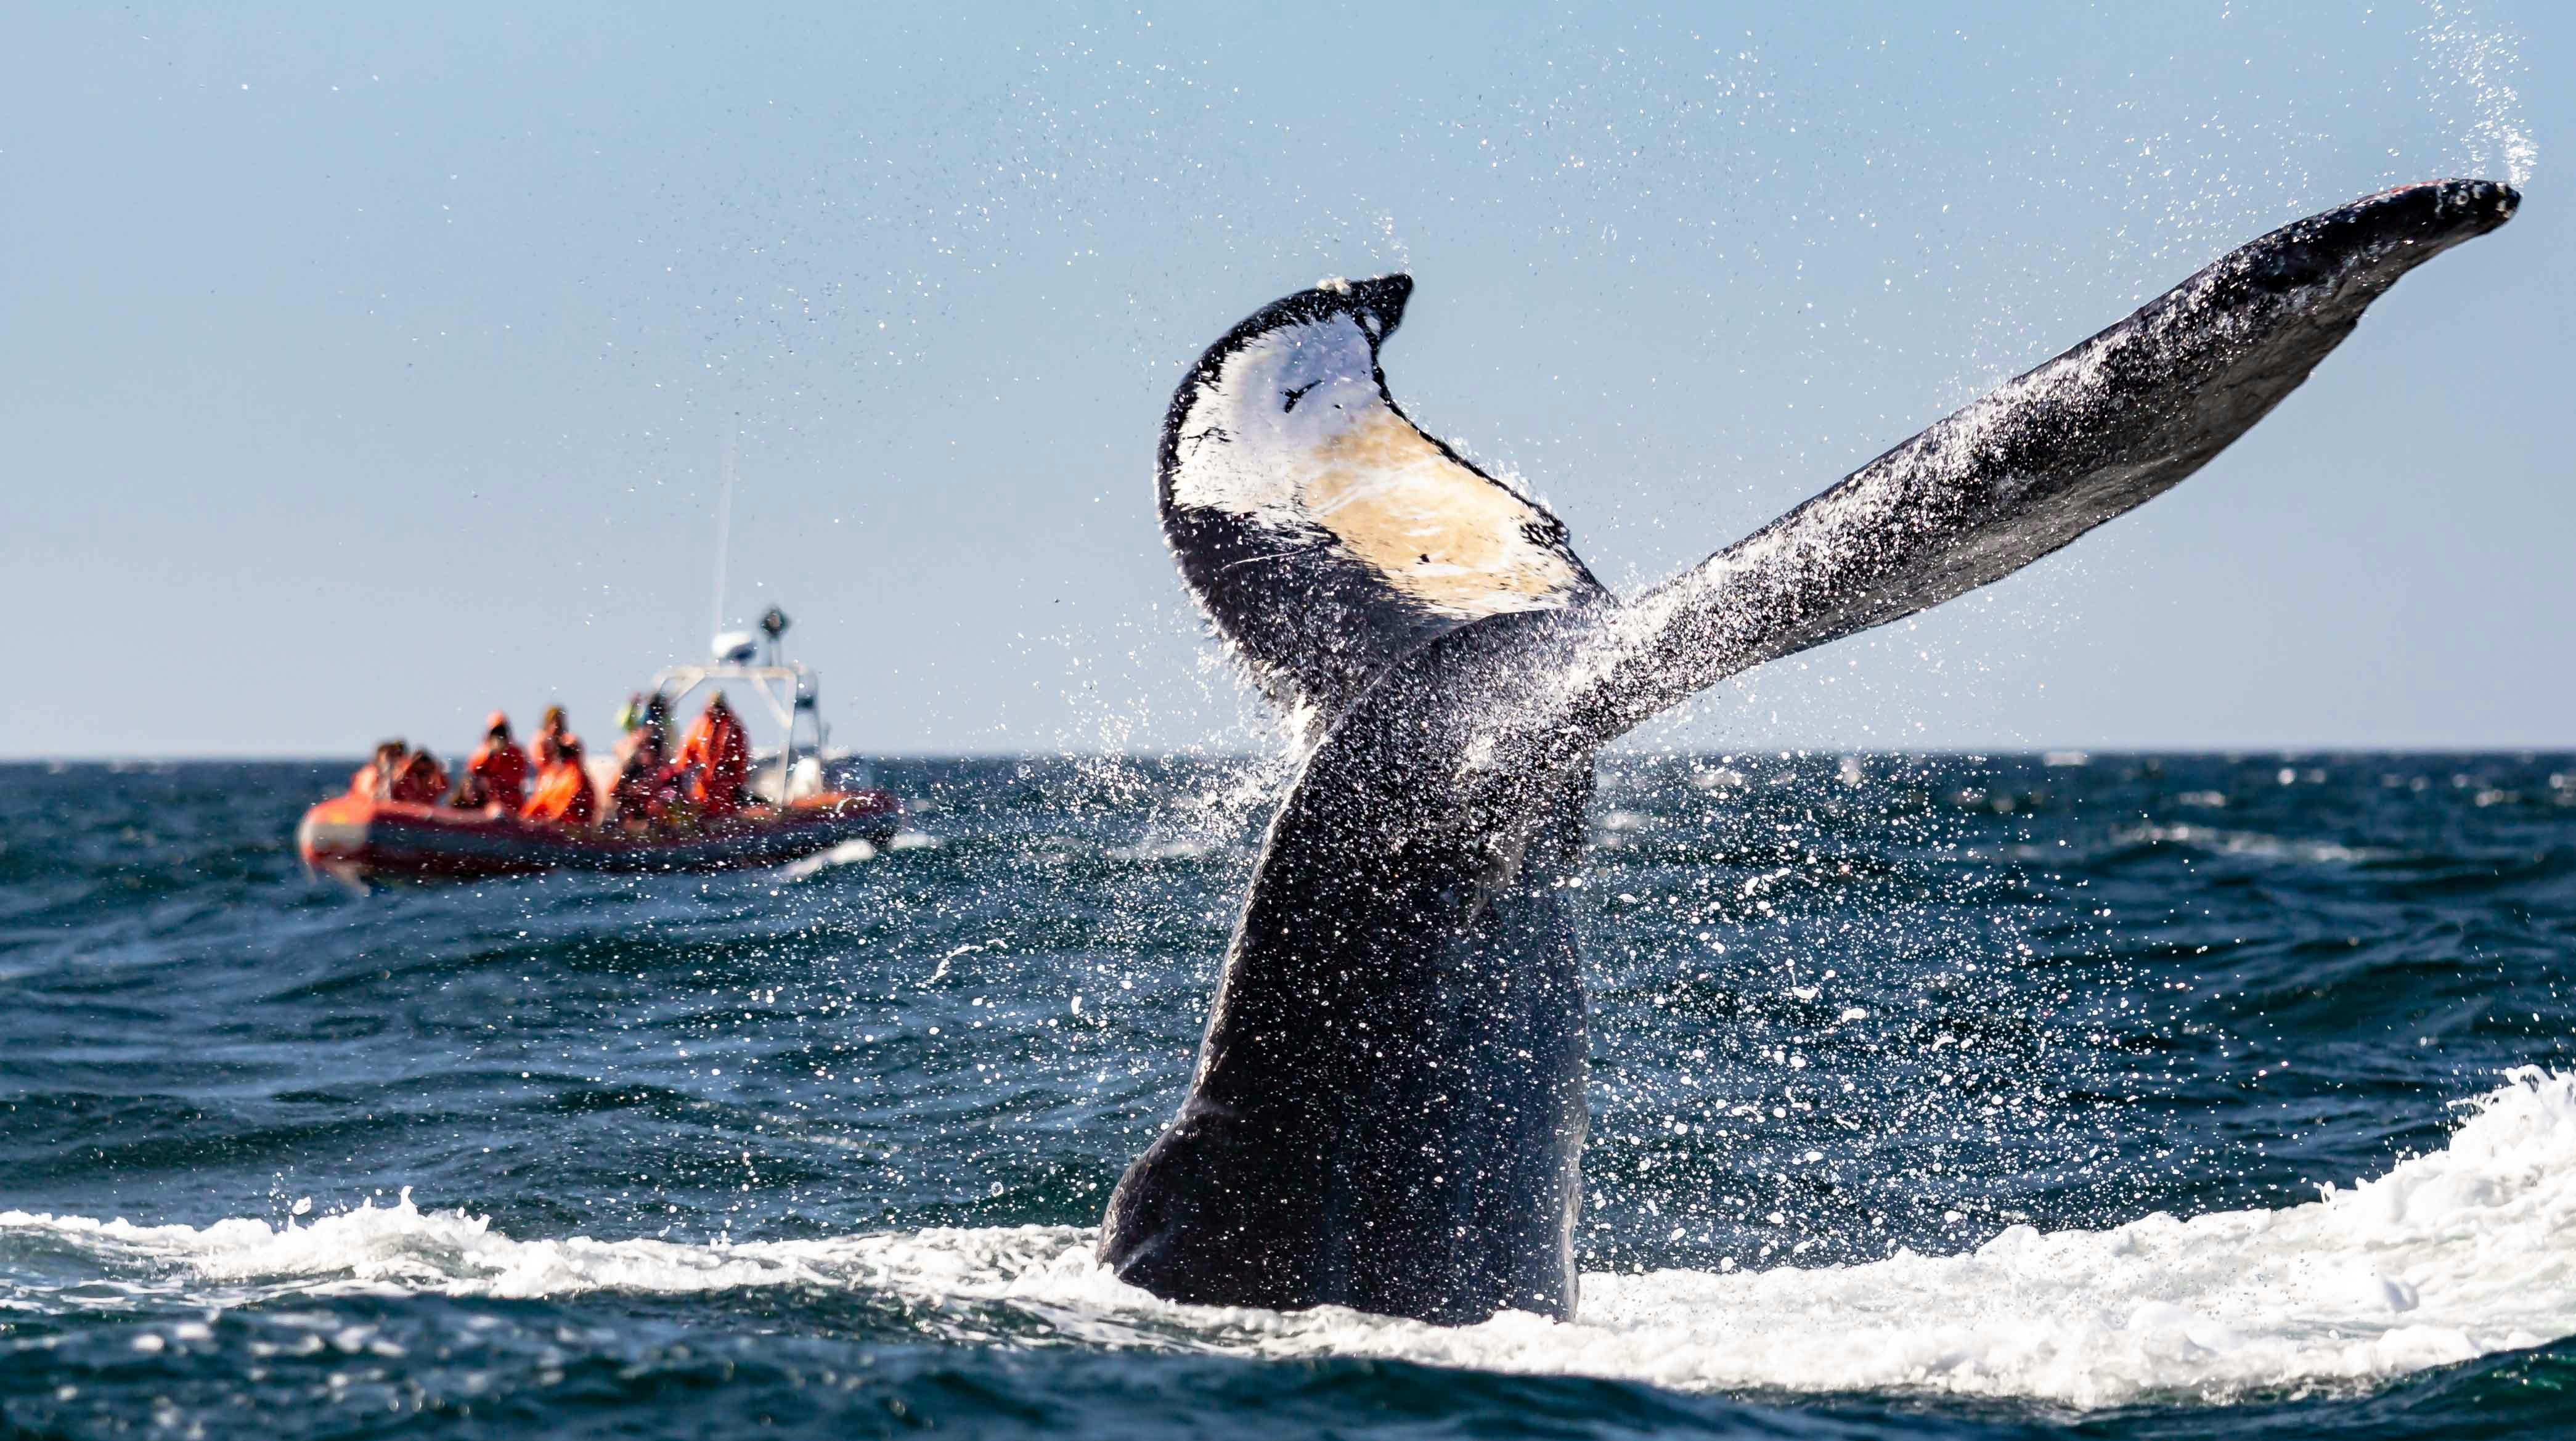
point(1927, 1082)
point(2473, 68)
point(2449, 1256)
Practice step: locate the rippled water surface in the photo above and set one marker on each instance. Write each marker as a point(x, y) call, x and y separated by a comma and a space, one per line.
point(2120, 1095)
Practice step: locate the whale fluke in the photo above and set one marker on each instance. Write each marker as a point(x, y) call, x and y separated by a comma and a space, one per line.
point(1324, 532)
point(2101, 429)
point(1388, 1107)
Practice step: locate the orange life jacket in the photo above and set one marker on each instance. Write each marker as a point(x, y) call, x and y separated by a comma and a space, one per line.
point(720, 753)
point(563, 794)
point(503, 770)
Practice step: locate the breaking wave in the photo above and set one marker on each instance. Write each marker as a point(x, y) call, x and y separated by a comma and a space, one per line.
point(2454, 1254)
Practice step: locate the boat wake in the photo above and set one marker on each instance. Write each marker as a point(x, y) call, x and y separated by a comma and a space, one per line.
point(854, 852)
point(847, 853)
point(2455, 1254)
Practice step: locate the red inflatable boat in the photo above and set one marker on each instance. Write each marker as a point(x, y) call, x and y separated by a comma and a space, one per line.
point(828, 801)
point(362, 840)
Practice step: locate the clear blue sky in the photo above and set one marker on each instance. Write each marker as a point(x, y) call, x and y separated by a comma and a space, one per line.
point(367, 368)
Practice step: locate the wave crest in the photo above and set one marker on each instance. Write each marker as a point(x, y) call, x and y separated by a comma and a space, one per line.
point(2461, 1252)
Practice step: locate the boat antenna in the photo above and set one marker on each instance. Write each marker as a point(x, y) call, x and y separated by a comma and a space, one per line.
point(724, 536)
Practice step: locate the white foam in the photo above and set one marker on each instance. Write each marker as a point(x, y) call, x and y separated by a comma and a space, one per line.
point(2466, 1251)
point(1168, 848)
point(2250, 843)
point(849, 852)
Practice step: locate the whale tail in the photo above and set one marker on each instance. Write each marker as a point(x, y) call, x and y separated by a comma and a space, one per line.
point(1327, 536)
point(1388, 1106)
point(2054, 452)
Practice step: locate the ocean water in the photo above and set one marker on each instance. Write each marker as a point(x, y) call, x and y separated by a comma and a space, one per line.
point(2014, 1096)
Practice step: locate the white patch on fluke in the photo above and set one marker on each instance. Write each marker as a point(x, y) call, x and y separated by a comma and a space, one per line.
point(2452, 1255)
point(1295, 435)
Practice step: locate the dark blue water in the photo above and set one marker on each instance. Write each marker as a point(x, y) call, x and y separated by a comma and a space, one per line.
point(1910, 1076)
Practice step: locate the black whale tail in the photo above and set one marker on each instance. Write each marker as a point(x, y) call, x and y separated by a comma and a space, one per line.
point(1388, 1108)
point(2054, 452)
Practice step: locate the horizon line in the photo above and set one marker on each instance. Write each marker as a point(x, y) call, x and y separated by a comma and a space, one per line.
point(2037, 752)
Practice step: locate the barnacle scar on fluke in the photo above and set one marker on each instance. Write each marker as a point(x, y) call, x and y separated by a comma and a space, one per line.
point(1388, 1108)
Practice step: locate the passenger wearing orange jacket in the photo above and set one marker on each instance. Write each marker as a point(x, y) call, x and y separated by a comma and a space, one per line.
point(563, 796)
point(552, 731)
point(718, 754)
point(500, 765)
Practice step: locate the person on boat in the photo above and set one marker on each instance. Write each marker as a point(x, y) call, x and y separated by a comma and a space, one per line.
point(630, 796)
point(375, 779)
point(647, 738)
point(552, 731)
point(420, 780)
point(498, 766)
point(719, 753)
point(657, 724)
point(563, 796)
point(641, 754)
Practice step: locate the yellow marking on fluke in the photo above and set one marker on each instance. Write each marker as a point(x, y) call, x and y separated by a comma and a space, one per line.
point(1434, 529)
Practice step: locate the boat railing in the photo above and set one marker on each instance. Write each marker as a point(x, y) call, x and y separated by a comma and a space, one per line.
point(785, 692)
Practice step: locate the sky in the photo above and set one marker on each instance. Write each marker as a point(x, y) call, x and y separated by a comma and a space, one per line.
point(368, 369)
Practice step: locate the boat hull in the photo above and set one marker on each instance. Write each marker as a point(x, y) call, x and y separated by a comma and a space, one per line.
point(361, 840)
